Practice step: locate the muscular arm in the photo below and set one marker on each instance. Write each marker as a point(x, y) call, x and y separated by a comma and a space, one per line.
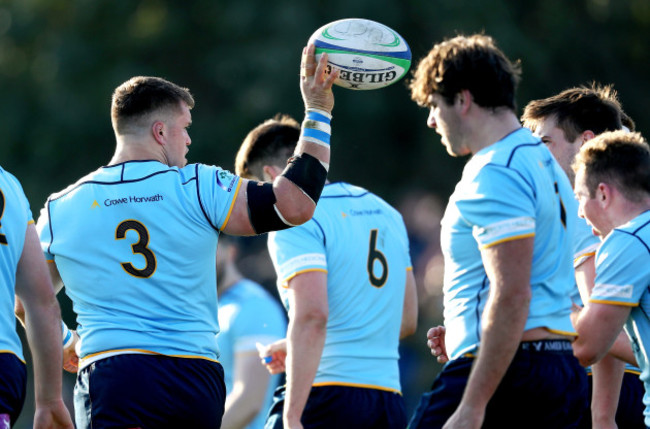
point(305, 340)
point(43, 327)
point(250, 381)
point(508, 267)
point(598, 326)
point(410, 310)
point(607, 374)
point(57, 284)
point(622, 349)
point(70, 358)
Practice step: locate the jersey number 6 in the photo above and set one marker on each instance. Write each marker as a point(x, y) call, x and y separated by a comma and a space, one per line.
point(376, 255)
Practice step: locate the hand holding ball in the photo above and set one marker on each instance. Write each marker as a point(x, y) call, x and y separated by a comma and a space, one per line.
point(368, 54)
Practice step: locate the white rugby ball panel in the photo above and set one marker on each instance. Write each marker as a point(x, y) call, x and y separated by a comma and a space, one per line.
point(369, 55)
point(361, 35)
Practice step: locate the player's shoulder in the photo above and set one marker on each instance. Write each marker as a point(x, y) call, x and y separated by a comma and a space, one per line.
point(635, 232)
point(90, 177)
point(339, 190)
point(339, 196)
point(342, 191)
point(520, 146)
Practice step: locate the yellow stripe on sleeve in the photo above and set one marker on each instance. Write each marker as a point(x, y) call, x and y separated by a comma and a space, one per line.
point(285, 282)
point(516, 237)
point(232, 205)
point(624, 304)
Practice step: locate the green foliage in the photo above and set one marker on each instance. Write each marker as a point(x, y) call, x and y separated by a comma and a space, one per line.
point(61, 59)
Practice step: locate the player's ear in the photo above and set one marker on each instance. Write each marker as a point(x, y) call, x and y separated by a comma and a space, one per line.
point(158, 131)
point(604, 194)
point(586, 136)
point(464, 98)
point(270, 172)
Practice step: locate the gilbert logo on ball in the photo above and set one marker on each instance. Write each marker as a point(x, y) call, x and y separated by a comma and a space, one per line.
point(368, 54)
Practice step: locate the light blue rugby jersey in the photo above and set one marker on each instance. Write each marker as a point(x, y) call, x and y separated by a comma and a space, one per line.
point(511, 189)
point(623, 278)
point(15, 215)
point(152, 231)
point(248, 314)
point(361, 243)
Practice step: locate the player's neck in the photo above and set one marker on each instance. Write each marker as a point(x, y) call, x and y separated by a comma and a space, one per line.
point(627, 210)
point(489, 126)
point(135, 150)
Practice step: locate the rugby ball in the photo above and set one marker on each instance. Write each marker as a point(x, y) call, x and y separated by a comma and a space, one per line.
point(367, 54)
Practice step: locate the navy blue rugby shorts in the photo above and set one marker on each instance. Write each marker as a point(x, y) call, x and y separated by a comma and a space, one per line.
point(544, 387)
point(150, 391)
point(13, 383)
point(344, 407)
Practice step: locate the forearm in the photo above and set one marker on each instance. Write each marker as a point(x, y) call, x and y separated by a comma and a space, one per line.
point(246, 398)
point(304, 350)
point(299, 187)
point(622, 349)
point(607, 376)
point(43, 328)
point(600, 330)
point(504, 320)
point(238, 411)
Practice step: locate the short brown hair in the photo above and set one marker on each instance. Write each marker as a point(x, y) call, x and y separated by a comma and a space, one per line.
point(618, 157)
point(577, 110)
point(134, 100)
point(467, 62)
point(270, 143)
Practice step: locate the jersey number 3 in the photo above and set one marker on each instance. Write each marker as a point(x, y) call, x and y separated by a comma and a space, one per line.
point(139, 247)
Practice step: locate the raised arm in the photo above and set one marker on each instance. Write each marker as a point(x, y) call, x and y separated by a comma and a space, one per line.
point(291, 199)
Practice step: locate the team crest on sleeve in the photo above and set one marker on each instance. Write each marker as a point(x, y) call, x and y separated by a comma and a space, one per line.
point(226, 180)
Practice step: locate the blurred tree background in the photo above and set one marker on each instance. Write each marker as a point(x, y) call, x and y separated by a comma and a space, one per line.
point(61, 59)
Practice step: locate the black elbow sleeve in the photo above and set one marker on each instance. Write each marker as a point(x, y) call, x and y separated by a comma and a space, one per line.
point(307, 173)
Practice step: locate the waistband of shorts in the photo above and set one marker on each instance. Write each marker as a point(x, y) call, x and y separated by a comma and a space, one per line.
point(547, 346)
point(539, 346)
